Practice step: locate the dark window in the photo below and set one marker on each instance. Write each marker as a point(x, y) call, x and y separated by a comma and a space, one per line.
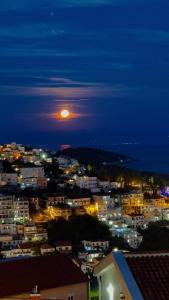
point(71, 298)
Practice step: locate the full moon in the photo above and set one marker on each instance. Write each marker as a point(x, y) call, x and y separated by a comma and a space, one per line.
point(65, 113)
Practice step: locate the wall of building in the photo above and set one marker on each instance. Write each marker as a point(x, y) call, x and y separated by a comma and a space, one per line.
point(110, 280)
point(112, 285)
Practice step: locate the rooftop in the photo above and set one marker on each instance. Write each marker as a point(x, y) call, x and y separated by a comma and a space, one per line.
point(151, 272)
point(47, 272)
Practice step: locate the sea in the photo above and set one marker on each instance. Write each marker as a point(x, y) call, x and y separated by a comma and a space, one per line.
point(145, 157)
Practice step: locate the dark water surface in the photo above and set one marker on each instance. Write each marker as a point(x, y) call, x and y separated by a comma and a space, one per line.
point(146, 157)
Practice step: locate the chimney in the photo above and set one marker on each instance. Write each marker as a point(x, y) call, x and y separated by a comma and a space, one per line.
point(35, 295)
point(122, 296)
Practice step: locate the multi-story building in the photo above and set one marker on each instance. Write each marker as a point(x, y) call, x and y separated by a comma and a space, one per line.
point(21, 209)
point(12, 210)
point(135, 221)
point(58, 212)
point(78, 201)
point(54, 199)
point(86, 182)
point(8, 178)
point(66, 162)
point(28, 172)
point(64, 247)
point(92, 245)
point(6, 209)
point(33, 177)
point(133, 203)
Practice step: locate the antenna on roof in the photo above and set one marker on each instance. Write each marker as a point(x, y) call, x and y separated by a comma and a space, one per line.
point(35, 289)
point(122, 296)
point(35, 295)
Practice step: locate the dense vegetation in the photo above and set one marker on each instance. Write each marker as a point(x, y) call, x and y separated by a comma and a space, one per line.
point(77, 228)
point(156, 237)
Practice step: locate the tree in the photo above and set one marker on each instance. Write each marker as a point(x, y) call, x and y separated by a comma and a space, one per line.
point(78, 228)
point(58, 230)
point(118, 242)
point(155, 238)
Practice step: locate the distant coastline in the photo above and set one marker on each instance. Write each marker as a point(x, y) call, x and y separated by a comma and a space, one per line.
point(151, 158)
point(143, 157)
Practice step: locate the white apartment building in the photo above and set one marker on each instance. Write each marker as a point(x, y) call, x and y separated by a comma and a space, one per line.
point(104, 184)
point(92, 245)
point(135, 221)
point(54, 199)
point(86, 182)
point(8, 179)
point(32, 172)
point(65, 162)
point(133, 238)
point(21, 209)
point(6, 209)
point(33, 177)
point(64, 247)
point(8, 228)
point(116, 185)
point(79, 201)
point(34, 182)
point(12, 210)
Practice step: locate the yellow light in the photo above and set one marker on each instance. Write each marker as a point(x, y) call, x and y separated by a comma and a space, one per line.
point(65, 113)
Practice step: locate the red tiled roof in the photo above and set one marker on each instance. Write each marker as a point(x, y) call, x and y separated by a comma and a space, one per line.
point(18, 276)
point(151, 273)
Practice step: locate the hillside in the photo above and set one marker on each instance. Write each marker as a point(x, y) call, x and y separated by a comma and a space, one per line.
point(94, 156)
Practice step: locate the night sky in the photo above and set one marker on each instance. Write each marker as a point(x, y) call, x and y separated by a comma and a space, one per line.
point(107, 61)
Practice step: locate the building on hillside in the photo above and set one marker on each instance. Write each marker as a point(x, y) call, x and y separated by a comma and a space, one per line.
point(117, 185)
point(54, 199)
point(66, 162)
point(64, 247)
point(132, 238)
point(86, 182)
point(78, 201)
point(137, 276)
point(32, 172)
point(135, 221)
point(10, 241)
point(105, 185)
point(91, 256)
point(47, 249)
point(34, 202)
point(58, 212)
point(21, 209)
point(92, 245)
point(33, 177)
point(8, 179)
point(57, 277)
point(133, 203)
point(12, 210)
point(6, 209)
point(34, 183)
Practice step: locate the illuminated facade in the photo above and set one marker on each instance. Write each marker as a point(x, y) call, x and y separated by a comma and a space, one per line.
point(133, 204)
